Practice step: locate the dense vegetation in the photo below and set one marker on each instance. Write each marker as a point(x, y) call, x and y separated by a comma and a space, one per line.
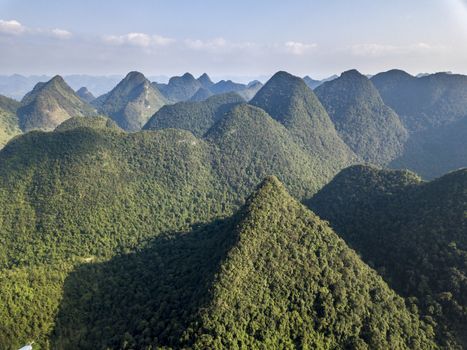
point(49, 104)
point(196, 117)
point(435, 151)
point(369, 127)
point(9, 126)
point(413, 233)
point(424, 102)
point(99, 122)
point(132, 102)
point(288, 100)
point(111, 239)
point(89, 191)
point(272, 276)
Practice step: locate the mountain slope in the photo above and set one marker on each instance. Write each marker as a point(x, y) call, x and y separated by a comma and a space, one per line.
point(428, 101)
point(369, 127)
point(132, 102)
point(196, 117)
point(201, 95)
point(435, 151)
point(410, 231)
point(9, 125)
point(49, 104)
point(272, 276)
point(288, 100)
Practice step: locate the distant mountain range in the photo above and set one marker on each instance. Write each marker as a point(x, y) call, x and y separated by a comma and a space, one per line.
point(391, 119)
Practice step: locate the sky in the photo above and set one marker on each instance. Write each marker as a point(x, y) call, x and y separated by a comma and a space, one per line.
point(226, 38)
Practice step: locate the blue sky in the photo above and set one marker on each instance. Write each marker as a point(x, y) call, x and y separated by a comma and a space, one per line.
point(232, 38)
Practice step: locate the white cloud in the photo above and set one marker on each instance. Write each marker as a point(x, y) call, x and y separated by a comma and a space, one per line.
point(378, 50)
point(11, 27)
point(138, 39)
point(60, 33)
point(14, 27)
point(298, 48)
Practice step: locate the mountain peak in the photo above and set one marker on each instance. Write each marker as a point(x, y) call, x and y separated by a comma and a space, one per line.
point(51, 103)
point(135, 76)
point(205, 80)
point(57, 79)
point(188, 75)
point(352, 73)
point(271, 184)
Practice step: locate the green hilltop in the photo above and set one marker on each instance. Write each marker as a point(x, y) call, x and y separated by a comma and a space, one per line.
point(369, 127)
point(132, 102)
point(289, 101)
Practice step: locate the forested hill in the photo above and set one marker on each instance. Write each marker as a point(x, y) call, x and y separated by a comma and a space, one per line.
point(272, 276)
point(9, 123)
point(288, 100)
point(412, 232)
point(49, 104)
point(368, 126)
point(424, 102)
point(195, 116)
point(132, 102)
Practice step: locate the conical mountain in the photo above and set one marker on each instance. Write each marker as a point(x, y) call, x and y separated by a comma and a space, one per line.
point(181, 88)
point(290, 282)
point(413, 232)
point(132, 102)
point(251, 144)
point(49, 104)
point(272, 276)
point(9, 124)
point(196, 117)
point(85, 94)
point(205, 81)
point(370, 128)
point(201, 95)
point(288, 100)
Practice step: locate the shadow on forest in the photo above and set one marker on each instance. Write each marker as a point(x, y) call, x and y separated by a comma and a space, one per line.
point(144, 298)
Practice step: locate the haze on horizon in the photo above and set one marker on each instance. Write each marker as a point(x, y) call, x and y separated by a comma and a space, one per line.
point(242, 38)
